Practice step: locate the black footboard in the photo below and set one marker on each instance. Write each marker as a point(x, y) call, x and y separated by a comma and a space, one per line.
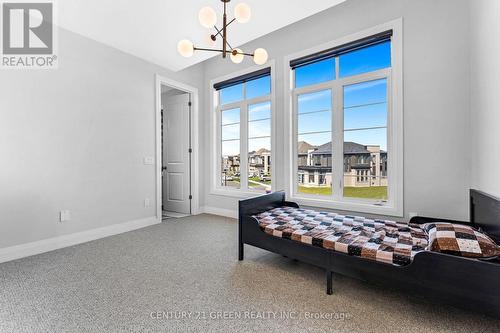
point(248, 230)
point(250, 233)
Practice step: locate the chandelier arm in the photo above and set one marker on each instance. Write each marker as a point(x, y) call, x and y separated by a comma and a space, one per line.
point(219, 33)
point(205, 49)
point(227, 25)
point(243, 53)
point(221, 51)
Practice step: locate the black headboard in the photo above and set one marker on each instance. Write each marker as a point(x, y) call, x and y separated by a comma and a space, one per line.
point(485, 213)
point(261, 203)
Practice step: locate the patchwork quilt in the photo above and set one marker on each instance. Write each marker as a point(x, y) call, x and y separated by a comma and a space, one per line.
point(380, 240)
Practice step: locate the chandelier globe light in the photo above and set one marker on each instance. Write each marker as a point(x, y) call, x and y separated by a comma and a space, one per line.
point(185, 48)
point(260, 56)
point(242, 12)
point(237, 57)
point(207, 17)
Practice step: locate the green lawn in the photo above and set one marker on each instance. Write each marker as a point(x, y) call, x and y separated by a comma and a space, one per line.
point(326, 190)
point(257, 179)
point(235, 182)
point(373, 192)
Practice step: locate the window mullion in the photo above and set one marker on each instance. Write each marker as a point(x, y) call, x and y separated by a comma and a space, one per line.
point(313, 88)
point(230, 106)
point(218, 148)
point(369, 76)
point(294, 177)
point(392, 155)
point(337, 68)
point(260, 99)
point(218, 141)
point(244, 146)
point(338, 141)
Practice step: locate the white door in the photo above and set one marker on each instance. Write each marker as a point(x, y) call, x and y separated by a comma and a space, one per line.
point(176, 178)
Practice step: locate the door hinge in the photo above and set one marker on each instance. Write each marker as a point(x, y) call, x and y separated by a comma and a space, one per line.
point(189, 104)
point(190, 197)
point(190, 150)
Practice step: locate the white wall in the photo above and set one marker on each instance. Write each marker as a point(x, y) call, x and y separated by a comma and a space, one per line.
point(436, 94)
point(485, 98)
point(74, 138)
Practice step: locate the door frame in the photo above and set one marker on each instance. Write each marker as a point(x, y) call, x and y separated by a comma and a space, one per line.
point(195, 201)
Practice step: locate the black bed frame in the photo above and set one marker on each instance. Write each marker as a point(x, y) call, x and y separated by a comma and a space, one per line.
point(470, 284)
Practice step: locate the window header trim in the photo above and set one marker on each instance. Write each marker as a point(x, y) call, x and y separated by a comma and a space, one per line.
point(243, 78)
point(342, 49)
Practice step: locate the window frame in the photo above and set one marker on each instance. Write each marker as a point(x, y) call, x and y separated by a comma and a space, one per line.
point(216, 147)
point(394, 76)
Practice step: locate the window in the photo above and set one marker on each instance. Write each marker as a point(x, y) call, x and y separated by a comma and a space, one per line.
point(311, 179)
point(367, 59)
point(321, 71)
point(365, 137)
point(259, 146)
point(244, 118)
point(230, 142)
point(231, 94)
point(343, 104)
point(314, 132)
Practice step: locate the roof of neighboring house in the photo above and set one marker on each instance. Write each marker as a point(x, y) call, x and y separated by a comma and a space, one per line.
point(349, 148)
point(303, 147)
point(314, 168)
point(261, 151)
point(354, 148)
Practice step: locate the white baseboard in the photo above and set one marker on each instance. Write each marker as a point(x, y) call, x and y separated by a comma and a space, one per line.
point(220, 211)
point(50, 244)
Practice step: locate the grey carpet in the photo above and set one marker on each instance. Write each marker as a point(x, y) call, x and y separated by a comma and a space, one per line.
point(189, 264)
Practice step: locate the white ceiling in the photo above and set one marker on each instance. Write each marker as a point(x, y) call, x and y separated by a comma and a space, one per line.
point(151, 29)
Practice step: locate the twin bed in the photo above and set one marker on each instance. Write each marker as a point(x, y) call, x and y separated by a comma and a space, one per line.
point(387, 253)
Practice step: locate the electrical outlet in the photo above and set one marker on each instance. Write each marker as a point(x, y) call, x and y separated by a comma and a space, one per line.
point(64, 216)
point(147, 203)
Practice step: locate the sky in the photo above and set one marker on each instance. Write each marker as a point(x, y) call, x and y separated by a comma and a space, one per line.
point(365, 104)
point(259, 128)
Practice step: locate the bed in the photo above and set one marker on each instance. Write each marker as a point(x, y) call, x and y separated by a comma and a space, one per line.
point(468, 283)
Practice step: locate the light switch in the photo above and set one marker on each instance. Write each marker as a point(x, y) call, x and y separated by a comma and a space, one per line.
point(149, 160)
point(64, 216)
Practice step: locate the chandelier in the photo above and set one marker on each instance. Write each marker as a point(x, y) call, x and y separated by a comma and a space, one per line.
point(208, 19)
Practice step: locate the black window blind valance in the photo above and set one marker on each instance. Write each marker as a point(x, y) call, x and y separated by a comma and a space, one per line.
point(243, 78)
point(342, 49)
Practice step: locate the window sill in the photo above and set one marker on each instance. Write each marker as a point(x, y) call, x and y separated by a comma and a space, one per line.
point(358, 207)
point(234, 193)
